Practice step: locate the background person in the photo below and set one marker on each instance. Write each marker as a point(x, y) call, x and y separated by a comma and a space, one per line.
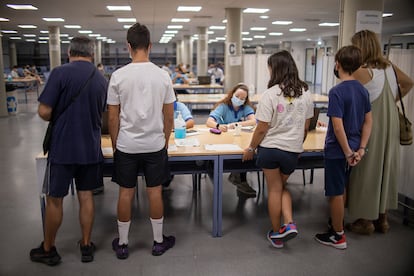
point(283, 114)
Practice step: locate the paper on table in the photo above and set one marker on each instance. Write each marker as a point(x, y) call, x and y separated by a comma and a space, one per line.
point(222, 147)
point(107, 151)
point(190, 142)
point(172, 148)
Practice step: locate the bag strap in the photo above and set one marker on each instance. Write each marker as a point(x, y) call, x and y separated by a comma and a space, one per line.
point(399, 92)
point(74, 97)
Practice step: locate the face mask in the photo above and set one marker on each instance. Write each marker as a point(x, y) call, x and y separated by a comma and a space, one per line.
point(236, 101)
point(336, 73)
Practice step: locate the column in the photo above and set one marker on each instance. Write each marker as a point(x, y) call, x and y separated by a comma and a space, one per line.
point(178, 52)
point(188, 51)
point(12, 54)
point(54, 46)
point(350, 21)
point(202, 51)
point(286, 45)
point(233, 72)
point(3, 101)
point(98, 52)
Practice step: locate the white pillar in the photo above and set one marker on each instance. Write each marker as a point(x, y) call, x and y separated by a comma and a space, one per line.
point(202, 51)
point(178, 52)
point(54, 46)
point(98, 52)
point(12, 54)
point(3, 101)
point(188, 51)
point(348, 17)
point(233, 49)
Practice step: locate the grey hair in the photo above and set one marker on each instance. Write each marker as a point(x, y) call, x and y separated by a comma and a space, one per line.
point(81, 46)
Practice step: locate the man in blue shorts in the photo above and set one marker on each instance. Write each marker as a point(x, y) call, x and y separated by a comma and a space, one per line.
point(140, 121)
point(349, 128)
point(74, 99)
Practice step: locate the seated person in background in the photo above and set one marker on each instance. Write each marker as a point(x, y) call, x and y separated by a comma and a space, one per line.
point(28, 72)
point(166, 67)
point(217, 73)
point(179, 77)
point(234, 109)
point(14, 72)
point(185, 113)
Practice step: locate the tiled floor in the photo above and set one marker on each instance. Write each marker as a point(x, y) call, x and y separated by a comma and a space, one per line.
point(243, 249)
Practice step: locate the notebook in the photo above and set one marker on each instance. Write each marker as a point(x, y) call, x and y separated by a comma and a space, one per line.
point(204, 79)
point(314, 119)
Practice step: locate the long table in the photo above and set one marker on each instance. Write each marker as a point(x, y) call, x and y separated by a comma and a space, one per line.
point(200, 88)
point(27, 84)
point(221, 153)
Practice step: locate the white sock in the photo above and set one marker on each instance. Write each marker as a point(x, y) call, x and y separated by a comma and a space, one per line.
point(123, 230)
point(340, 233)
point(157, 229)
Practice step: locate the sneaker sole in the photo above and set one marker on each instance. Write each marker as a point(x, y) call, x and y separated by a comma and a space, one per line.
point(121, 257)
point(155, 253)
point(51, 262)
point(274, 244)
point(341, 246)
point(288, 235)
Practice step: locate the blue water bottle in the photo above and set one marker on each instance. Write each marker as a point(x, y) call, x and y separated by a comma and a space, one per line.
point(179, 126)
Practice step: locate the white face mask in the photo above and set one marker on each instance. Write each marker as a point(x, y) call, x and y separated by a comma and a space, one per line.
point(236, 101)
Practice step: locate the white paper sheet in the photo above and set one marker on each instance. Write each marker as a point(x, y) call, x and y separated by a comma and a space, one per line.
point(222, 147)
point(187, 142)
point(107, 151)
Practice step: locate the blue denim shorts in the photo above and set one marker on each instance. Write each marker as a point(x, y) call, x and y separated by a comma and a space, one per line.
point(272, 158)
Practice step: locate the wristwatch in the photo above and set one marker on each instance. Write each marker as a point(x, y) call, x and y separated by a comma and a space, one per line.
point(250, 149)
point(217, 126)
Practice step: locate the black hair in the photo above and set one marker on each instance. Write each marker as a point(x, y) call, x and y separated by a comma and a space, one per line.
point(283, 71)
point(81, 46)
point(138, 36)
point(350, 58)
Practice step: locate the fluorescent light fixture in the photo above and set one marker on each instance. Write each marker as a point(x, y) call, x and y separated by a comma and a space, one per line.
point(247, 39)
point(43, 38)
point(15, 37)
point(43, 42)
point(171, 32)
point(85, 32)
point(275, 34)
point(220, 38)
point(180, 20)
point(27, 26)
point(168, 35)
point(253, 10)
point(387, 14)
point(30, 40)
point(224, 21)
point(29, 35)
point(94, 35)
point(63, 35)
point(118, 8)
point(308, 39)
point(126, 20)
point(258, 28)
point(127, 26)
point(264, 17)
point(328, 24)
point(212, 40)
point(102, 38)
point(279, 22)
point(65, 41)
point(319, 42)
point(72, 26)
point(53, 19)
point(4, 19)
point(259, 36)
point(8, 32)
point(217, 27)
point(174, 26)
point(245, 33)
point(22, 7)
point(210, 32)
point(44, 32)
point(297, 30)
point(189, 8)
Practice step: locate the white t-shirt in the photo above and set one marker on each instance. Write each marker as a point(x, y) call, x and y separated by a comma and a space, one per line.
point(286, 119)
point(141, 90)
point(376, 84)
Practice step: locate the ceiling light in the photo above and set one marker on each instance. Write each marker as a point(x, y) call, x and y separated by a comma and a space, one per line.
point(180, 20)
point(387, 14)
point(224, 21)
point(94, 35)
point(65, 41)
point(220, 38)
point(125, 20)
point(22, 7)
point(9, 32)
point(247, 38)
point(64, 35)
point(258, 28)
point(210, 32)
point(102, 37)
point(171, 32)
point(217, 27)
point(44, 32)
point(297, 29)
point(4, 19)
point(328, 24)
point(275, 34)
point(174, 26)
point(31, 40)
point(189, 8)
point(53, 19)
point(168, 35)
point(253, 10)
point(259, 36)
point(282, 22)
point(264, 17)
point(118, 8)
point(27, 26)
point(85, 32)
point(15, 37)
point(42, 42)
point(245, 33)
point(29, 35)
point(127, 26)
point(72, 26)
point(43, 38)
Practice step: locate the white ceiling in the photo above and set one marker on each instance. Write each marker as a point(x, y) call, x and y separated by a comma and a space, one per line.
point(157, 14)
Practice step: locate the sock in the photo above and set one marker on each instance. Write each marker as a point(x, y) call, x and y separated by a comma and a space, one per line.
point(340, 233)
point(157, 229)
point(123, 230)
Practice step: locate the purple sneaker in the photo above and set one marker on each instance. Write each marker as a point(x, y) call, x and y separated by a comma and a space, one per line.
point(121, 250)
point(274, 242)
point(159, 248)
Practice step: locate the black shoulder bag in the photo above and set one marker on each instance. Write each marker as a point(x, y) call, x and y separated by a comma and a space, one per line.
point(48, 135)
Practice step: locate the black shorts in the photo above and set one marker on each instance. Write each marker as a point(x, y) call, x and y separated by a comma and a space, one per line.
point(154, 165)
point(59, 177)
point(272, 158)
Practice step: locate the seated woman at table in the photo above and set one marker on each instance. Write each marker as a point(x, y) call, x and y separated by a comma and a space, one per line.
point(235, 109)
point(185, 112)
point(179, 77)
